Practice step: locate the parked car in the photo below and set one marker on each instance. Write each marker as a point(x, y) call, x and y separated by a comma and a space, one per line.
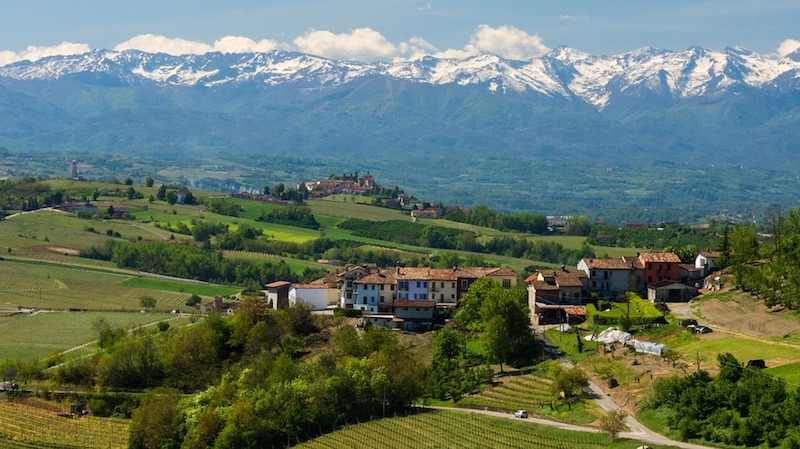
point(702, 329)
point(687, 323)
point(521, 413)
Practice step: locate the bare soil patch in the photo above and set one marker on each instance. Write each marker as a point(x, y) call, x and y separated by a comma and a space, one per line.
point(62, 250)
point(743, 313)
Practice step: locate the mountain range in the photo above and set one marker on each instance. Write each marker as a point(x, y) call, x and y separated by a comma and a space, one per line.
point(627, 112)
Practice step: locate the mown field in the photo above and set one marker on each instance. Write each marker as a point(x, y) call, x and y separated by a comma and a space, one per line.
point(29, 426)
point(50, 286)
point(34, 336)
point(456, 429)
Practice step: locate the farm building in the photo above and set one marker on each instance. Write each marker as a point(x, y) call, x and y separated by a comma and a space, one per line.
point(315, 296)
point(670, 291)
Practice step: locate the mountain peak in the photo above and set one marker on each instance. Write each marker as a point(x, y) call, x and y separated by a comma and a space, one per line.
point(564, 72)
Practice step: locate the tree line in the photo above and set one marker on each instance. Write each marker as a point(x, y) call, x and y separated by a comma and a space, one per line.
point(431, 236)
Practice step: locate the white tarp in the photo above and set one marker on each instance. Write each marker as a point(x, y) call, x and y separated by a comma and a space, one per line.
point(649, 347)
point(611, 335)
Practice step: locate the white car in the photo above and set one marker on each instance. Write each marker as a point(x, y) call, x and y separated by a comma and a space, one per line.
point(521, 413)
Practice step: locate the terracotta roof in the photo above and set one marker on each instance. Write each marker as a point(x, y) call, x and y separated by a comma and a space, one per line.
point(503, 271)
point(414, 303)
point(565, 278)
point(542, 285)
point(382, 277)
point(622, 263)
point(425, 273)
point(711, 254)
point(310, 286)
point(659, 257)
point(278, 284)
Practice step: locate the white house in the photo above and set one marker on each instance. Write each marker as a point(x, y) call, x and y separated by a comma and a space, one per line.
point(315, 296)
point(707, 260)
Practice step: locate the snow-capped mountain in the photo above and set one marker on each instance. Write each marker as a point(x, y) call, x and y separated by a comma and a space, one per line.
point(562, 73)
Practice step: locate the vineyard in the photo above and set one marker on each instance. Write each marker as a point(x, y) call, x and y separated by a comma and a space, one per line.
point(34, 336)
point(59, 287)
point(26, 426)
point(455, 429)
point(527, 392)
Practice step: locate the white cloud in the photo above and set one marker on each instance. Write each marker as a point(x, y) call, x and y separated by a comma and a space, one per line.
point(507, 41)
point(153, 43)
point(788, 46)
point(34, 53)
point(425, 7)
point(363, 44)
point(415, 48)
point(567, 17)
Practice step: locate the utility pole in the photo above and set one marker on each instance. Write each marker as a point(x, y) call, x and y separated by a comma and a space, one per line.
point(698, 361)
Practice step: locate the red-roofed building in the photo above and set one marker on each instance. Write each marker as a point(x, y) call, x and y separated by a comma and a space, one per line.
point(661, 266)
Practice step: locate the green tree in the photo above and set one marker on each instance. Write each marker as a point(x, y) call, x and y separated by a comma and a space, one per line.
point(578, 225)
point(569, 383)
point(128, 181)
point(613, 422)
point(498, 340)
point(149, 181)
point(162, 193)
point(172, 197)
point(152, 422)
point(147, 302)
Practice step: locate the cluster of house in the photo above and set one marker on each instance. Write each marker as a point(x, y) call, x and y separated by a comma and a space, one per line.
point(409, 297)
point(349, 183)
point(658, 276)
point(401, 297)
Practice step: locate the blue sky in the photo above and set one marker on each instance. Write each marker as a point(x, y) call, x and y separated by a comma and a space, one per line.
point(375, 29)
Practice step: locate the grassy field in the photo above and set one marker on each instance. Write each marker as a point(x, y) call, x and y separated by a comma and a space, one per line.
point(34, 336)
point(354, 210)
point(29, 426)
point(456, 429)
point(50, 286)
point(744, 349)
point(789, 372)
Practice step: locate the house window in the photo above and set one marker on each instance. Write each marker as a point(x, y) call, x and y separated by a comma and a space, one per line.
point(442, 285)
point(403, 285)
point(391, 287)
point(506, 283)
point(464, 283)
point(419, 284)
point(441, 297)
point(453, 285)
point(594, 283)
point(605, 275)
point(373, 286)
point(594, 273)
point(383, 299)
point(418, 309)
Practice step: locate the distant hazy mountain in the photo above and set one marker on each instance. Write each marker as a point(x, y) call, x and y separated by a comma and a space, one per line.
point(631, 110)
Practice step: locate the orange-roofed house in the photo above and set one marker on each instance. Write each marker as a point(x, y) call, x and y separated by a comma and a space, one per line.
point(610, 278)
